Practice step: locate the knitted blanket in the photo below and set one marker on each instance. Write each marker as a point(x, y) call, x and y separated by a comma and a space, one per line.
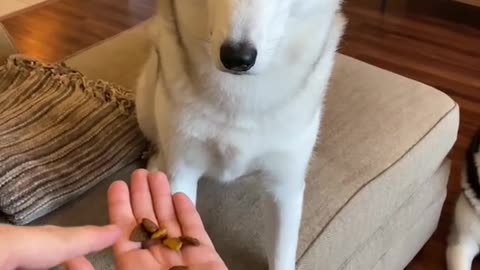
point(60, 135)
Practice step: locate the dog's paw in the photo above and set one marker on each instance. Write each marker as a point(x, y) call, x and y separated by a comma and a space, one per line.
point(155, 163)
point(149, 151)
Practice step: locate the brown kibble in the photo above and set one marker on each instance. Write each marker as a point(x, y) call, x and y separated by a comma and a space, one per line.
point(139, 234)
point(179, 268)
point(147, 244)
point(148, 233)
point(189, 241)
point(150, 243)
point(173, 243)
point(159, 234)
point(149, 225)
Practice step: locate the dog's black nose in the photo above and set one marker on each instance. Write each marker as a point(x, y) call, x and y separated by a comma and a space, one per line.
point(238, 57)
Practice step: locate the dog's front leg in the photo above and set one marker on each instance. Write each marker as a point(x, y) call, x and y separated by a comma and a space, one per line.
point(283, 213)
point(184, 178)
point(460, 255)
point(156, 162)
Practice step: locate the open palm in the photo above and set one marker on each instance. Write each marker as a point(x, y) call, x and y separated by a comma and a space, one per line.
point(150, 198)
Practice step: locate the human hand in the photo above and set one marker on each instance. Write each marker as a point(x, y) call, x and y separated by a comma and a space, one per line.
point(150, 198)
point(43, 247)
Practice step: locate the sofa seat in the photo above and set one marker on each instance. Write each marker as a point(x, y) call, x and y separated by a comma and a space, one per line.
point(375, 187)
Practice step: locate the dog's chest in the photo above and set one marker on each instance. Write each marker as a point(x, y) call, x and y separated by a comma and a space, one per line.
point(231, 151)
point(230, 146)
point(227, 161)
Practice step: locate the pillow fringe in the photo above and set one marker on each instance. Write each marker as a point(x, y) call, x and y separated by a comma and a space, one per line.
point(20, 68)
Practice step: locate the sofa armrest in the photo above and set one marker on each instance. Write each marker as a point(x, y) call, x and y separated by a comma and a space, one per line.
point(6, 45)
point(118, 59)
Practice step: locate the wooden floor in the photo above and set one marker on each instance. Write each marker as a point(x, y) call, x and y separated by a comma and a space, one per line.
point(59, 28)
point(438, 44)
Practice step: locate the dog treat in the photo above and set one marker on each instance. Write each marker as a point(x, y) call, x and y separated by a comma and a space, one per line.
point(149, 233)
point(159, 234)
point(173, 243)
point(149, 225)
point(189, 241)
point(150, 243)
point(139, 234)
point(179, 268)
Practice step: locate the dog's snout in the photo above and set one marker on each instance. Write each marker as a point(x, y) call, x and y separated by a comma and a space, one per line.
point(239, 57)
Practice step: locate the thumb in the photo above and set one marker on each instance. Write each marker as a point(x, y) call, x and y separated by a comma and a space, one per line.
point(47, 246)
point(79, 263)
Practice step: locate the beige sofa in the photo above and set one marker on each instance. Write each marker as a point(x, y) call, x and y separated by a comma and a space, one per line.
point(375, 190)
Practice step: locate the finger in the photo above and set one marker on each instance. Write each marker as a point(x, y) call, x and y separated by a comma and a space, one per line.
point(165, 215)
point(46, 246)
point(119, 206)
point(190, 221)
point(120, 212)
point(162, 203)
point(142, 204)
point(79, 263)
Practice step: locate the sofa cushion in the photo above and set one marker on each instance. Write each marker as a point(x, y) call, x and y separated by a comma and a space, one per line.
point(60, 134)
point(383, 135)
point(399, 226)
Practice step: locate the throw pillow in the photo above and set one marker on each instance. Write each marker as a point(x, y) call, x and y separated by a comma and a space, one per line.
point(60, 134)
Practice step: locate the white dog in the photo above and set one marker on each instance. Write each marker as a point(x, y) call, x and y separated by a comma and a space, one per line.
point(236, 87)
point(464, 239)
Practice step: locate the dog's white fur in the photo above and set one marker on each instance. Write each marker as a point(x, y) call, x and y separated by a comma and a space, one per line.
point(207, 122)
point(464, 238)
